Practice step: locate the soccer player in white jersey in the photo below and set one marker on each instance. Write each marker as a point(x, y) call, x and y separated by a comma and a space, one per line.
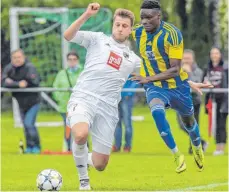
point(93, 105)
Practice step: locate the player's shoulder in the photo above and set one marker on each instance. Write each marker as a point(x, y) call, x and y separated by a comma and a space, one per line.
point(103, 36)
point(175, 36)
point(100, 34)
point(93, 34)
point(170, 27)
point(137, 29)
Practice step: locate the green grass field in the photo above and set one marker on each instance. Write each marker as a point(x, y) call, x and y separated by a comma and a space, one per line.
point(150, 165)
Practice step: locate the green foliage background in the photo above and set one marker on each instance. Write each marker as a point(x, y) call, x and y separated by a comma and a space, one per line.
point(196, 35)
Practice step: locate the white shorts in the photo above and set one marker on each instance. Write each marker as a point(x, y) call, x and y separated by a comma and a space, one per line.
point(101, 117)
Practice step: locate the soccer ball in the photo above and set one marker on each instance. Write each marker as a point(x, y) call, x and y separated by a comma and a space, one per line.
point(49, 180)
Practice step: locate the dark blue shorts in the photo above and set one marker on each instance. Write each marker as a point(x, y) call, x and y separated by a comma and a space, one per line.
point(178, 98)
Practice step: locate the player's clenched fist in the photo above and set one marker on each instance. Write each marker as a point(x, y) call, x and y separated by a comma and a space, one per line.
point(92, 9)
point(71, 31)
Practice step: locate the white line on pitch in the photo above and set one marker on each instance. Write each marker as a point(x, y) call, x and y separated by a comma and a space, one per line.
point(209, 186)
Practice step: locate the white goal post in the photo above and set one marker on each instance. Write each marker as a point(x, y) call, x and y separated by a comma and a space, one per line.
point(15, 38)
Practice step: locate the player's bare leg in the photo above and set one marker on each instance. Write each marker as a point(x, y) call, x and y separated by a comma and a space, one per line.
point(98, 161)
point(192, 128)
point(157, 108)
point(80, 153)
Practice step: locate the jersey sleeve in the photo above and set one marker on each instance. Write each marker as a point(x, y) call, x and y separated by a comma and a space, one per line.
point(86, 38)
point(133, 34)
point(176, 45)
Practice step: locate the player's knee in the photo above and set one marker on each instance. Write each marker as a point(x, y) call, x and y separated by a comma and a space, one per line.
point(80, 133)
point(189, 125)
point(100, 161)
point(188, 122)
point(80, 137)
point(156, 113)
point(101, 165)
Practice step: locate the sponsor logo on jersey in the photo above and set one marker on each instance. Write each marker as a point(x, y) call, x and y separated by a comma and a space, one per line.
point(150, 55)
point(114, 60)
point(126, 55)
point(149, 43)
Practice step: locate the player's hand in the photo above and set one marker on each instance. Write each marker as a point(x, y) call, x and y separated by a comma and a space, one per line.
point(23, 83)
point(92, 9)
point(139, 78)
point(197, 86)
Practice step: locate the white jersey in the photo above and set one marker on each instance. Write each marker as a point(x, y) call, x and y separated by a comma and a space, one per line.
point(107, 67)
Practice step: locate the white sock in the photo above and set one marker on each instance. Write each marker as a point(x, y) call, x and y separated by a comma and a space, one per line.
point(89, 160)
point(174, 150)
point(80, 154)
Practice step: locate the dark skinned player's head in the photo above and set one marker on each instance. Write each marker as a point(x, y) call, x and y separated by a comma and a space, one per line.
point(150, 15)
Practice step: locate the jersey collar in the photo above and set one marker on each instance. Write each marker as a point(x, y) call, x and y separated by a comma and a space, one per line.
point(158, 30)
point(120, 45)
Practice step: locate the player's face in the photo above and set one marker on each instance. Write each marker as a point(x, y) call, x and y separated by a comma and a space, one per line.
point(72, 61)
point(121, 28)
point(150, 19)
point(215, 56)
point(18, 59)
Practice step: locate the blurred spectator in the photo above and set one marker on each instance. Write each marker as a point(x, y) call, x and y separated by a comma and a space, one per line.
point(216, 75)
point(22, 74)
point(195, 74)
point(66, 78)
point(125, 113)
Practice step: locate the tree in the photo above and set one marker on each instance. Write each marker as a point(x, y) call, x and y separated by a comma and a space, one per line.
point(183, 15)
point(223, 15)
point(5, 50)
point(181, 10)
point(198, 32)
point(214, 22)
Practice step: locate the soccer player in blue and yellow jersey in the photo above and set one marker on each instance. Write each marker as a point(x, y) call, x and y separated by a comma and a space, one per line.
point(160, 45)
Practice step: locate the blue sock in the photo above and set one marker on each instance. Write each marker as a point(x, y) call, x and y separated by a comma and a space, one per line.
point(158, 113)
point(194, 134)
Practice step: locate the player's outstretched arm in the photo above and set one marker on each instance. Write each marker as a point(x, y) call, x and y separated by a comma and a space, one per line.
point(172, 72)
point(71, 31)
point(197, 86)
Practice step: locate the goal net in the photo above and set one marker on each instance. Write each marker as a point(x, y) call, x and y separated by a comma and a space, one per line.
point(39, 32)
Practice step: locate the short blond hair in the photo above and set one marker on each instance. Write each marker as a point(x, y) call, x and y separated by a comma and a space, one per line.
point(125, 13)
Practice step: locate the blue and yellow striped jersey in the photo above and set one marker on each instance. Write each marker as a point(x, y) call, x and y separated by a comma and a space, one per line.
point(156, 49)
